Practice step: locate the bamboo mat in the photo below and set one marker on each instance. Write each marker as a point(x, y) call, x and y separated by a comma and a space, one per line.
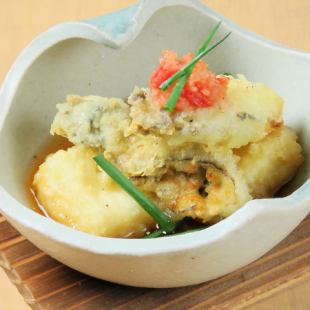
point(47, 284)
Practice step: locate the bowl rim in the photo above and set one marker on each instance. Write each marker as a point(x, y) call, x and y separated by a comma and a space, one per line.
point(103, 245)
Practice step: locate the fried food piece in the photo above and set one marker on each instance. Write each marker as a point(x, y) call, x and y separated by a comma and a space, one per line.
point(248, 113)
point(93, 121)
point(201, 190)
point(146, 155)
point(75, 192)
point(209, 200)
point(271, 162)
point(148, 116)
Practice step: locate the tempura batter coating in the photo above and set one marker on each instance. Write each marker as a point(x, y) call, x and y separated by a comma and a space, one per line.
point(76, 193)
point(271, 162)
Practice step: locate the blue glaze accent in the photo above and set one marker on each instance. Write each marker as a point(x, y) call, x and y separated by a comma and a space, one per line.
point(117, 23)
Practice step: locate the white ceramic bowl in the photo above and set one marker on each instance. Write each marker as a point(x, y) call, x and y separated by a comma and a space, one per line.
point(109, 56)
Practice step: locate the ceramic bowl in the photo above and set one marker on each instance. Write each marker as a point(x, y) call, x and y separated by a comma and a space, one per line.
point(108, 56)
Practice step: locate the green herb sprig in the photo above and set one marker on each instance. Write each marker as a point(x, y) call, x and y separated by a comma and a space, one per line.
point(176, 92)
point(160, 233)
point(154, 234)
point(183, 74)
point(159, 217)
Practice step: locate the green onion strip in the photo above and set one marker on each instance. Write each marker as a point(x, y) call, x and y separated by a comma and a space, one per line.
point(183, 74)
point(159, 217)
point(160, 233)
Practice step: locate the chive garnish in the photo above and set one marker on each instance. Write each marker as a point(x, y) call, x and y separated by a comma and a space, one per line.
point(159, 217)
point(160, 233)
point(183, 74)
point(176, 92)
point(188, 66)
point(154, 234)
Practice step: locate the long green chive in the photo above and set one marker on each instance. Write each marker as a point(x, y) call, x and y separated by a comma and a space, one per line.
point(159, 217)
point(154, 234)
point(209, 38)
point(176, 92)
point(160, 233)
point(188, 66)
